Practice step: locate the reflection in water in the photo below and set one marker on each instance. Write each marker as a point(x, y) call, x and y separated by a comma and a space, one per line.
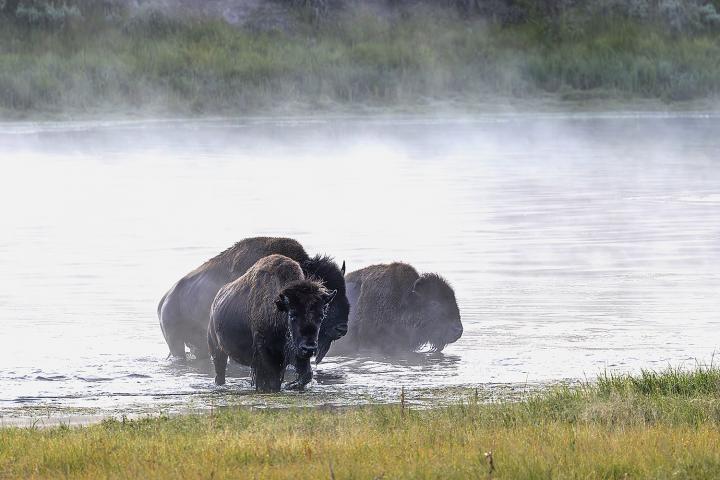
point(574, 244)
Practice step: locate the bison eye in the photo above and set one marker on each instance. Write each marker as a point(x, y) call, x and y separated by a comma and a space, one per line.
point(434, 304)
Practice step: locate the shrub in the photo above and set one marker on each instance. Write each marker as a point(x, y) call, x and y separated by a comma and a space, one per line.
point(710, 16)
point(45, 13)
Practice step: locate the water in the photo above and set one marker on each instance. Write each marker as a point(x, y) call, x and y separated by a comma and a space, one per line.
point(575, 244)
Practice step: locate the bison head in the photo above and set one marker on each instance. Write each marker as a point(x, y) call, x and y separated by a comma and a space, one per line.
point(335, 324)
point(306, 304)
point(435, 308)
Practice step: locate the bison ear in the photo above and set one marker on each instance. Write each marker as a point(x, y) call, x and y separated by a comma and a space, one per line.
point(343, 268)
point(418, 285)
point(415, 296)
point(328, 297)
point(282, 303)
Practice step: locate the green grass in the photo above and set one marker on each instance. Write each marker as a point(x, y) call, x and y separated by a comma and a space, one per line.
point(657, 425)
point(156, 64)
point(672, 381)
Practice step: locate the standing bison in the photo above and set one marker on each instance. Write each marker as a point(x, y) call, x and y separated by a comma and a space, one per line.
point(394, 309)
point(184, 311)
point(268, 318)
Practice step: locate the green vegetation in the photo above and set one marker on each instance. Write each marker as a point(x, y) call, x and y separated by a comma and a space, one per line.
point(656, 425)
point(673, 381)
point(61, 61)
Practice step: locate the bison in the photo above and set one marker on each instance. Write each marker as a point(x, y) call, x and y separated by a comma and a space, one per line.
point(395, 309)
point(184, 311)
point(268, 318)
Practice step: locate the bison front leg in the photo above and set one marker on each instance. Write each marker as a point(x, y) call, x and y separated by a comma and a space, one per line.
point(267, 367)
point(268, 375)
point(304, 372)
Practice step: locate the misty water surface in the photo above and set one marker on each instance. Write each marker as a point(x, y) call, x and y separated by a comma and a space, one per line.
point(575, 244)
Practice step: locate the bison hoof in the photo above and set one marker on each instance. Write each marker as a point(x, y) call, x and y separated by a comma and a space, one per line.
point(295, 386)
point(219, 380)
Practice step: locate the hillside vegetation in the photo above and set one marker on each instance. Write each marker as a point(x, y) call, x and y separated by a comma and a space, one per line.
point(94, 57)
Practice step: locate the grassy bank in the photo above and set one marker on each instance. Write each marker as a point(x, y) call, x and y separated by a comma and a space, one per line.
point(154, 64)
point(652, 426)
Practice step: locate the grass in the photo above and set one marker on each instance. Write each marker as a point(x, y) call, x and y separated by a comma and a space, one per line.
point(655, 425)
point(157, 64)
point(671, 382)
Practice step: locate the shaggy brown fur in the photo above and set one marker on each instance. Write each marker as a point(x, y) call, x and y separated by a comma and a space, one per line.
point(267, 318)
point(184, 311)
point(393, 308)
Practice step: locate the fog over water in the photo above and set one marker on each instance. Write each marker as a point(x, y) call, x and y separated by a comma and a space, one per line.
point(575, 244)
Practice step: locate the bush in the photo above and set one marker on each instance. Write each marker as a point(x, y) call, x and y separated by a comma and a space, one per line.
point(153, 23)
point(46, 14)
point(710, 16)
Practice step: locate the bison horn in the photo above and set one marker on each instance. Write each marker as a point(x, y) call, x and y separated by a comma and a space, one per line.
point(282, 303)
point(328, 297)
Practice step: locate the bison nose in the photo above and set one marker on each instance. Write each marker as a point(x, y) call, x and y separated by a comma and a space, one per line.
point(456, 332)
point(308, 350)
point(341, 330)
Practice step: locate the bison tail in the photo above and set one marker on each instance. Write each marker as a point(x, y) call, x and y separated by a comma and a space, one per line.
point(160, 305)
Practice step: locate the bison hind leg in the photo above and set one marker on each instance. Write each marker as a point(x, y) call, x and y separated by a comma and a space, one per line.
point(200, 352)
point(198, 343)
point(177, 346)
point(173, 338)
point(219, 358)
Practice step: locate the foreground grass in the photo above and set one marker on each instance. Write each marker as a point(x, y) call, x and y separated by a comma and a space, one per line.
point(652, 426)
point(153, 63)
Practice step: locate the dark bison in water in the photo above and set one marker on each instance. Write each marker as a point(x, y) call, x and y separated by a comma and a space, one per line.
point(268, 318)
point(395, 309)
point(184, 311)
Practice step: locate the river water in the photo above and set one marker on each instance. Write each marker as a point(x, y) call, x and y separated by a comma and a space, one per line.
point(576, 244)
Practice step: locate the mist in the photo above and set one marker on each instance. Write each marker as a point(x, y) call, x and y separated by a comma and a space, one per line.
point(359, 239)
point(587, 243)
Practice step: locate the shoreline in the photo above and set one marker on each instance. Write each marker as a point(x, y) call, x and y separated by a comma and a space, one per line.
point(422, 398)
point(101, 121)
